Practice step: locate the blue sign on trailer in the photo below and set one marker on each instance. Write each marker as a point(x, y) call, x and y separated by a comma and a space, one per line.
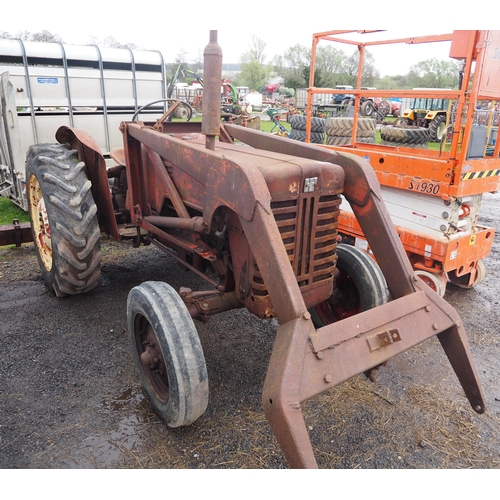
point(51, 81)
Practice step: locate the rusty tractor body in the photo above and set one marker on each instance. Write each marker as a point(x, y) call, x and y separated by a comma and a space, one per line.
point(261, 212)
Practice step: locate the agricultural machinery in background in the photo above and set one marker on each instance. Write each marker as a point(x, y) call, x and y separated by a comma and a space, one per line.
point(429, 113)
point(256, 217)
point(434, 163)
point(274, 116)
point(234, 108)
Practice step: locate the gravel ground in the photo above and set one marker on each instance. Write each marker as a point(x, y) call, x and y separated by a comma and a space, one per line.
point(70, 397)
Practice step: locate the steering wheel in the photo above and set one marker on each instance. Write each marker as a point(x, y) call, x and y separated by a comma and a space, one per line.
point(184, 104)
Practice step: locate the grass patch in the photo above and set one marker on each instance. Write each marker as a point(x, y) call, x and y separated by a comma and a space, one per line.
point(9, 211)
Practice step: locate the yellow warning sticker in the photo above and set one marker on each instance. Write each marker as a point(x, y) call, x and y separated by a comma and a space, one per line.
point(472, 240)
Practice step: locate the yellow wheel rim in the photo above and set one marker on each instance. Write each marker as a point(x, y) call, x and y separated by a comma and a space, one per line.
point(40, 222)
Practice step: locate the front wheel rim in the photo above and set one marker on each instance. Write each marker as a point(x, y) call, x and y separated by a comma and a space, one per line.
point(151, 357)
point(40, 223)
point(345, 303)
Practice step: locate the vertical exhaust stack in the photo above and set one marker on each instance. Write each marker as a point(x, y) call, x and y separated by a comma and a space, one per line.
point(212, 77)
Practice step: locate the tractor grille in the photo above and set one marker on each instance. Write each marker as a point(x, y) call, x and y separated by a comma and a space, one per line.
point(308, 227)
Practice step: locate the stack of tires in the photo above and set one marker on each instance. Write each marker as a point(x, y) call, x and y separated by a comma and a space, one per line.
point(298, 131)
point(408, 136)
point(339, 131)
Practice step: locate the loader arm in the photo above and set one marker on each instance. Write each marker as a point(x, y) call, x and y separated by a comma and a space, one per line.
point(306, 361)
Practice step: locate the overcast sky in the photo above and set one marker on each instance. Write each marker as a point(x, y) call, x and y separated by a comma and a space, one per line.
point(173, 26)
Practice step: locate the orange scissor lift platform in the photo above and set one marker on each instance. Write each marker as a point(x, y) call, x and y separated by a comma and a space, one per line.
point(433, 192)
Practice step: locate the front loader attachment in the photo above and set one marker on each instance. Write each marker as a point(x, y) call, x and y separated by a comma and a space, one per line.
point(307, 361)
point(263, 220)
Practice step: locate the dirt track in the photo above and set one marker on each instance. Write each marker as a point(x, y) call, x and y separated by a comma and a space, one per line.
point(70, 396)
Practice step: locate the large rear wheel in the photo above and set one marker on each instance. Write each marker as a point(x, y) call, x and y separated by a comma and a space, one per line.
point(342, 127)
point(360, 286)
point(404, 135)
point(437, 128)
point(63, 218)
point(168, 353)
point(367, 108)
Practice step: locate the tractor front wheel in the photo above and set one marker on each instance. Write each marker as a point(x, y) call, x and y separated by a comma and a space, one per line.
point(360, 286)
point(168, 353)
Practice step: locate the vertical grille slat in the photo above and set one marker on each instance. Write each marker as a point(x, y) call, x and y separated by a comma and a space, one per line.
point(308, 226)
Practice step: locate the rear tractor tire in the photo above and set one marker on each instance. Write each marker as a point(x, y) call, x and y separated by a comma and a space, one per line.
point(360, 286)
point(367, 108)
point(167, 353)
point(63, 218)
point(300, 135)
point(404, 135)
point(342, 127)
point(299, 122)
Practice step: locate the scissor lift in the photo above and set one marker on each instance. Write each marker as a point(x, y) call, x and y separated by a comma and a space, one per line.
point(433, 192)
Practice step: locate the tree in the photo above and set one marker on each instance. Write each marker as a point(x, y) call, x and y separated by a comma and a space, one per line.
point(181, 56)
point(112, 42)
point(370, 72)
point(198, 60)
point(27, 36)
point(318, 76)
point(253, 71)
point(434, 73)
point(331, 63)
point(392, 82)
point(45, 36)
point(293, 62)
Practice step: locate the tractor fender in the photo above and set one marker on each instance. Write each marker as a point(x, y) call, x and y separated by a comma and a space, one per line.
point(432, 114)
point(408, 114)
point(236, 186)
point(95, 168)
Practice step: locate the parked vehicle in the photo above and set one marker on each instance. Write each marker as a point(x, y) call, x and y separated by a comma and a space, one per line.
point(255, 216)
point(430, 113)
point(342, 98)
point(434, 195)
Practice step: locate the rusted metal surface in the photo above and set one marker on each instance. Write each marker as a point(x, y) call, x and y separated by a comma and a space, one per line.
point(16, 233)
point(362, 191)
point(89, 152)
point(306, 361)
point(264, 218)
point(203, 305)
point(211, 91)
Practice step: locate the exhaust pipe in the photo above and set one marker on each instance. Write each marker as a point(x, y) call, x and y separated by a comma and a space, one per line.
point(212, 77)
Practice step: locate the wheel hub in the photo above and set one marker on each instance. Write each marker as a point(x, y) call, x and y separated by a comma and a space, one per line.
point(40, 222)
point(151, 357)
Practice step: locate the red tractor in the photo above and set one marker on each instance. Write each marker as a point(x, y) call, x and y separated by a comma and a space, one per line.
point(261, 213)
